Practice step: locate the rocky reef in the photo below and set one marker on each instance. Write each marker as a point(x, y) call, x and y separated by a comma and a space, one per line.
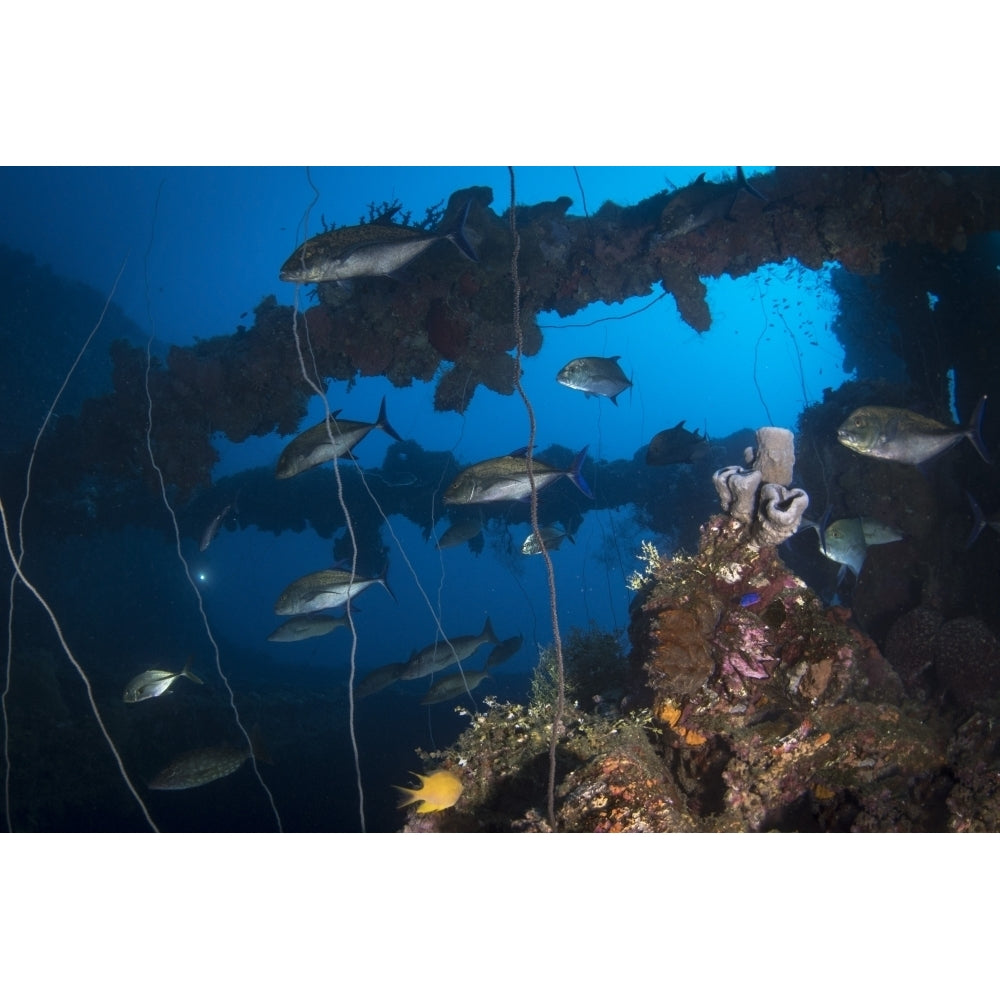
point(745, 704)
point(452, 319)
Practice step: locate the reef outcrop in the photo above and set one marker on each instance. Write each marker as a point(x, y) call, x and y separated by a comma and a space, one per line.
point(453, 313)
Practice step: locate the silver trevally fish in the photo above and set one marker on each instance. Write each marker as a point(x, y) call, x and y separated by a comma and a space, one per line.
point(445, 688)
point(327, 588)
point(306, 627)
point(379, 678)
point(905, 436)
point(847, 541)
point(460, 531)
point(552, 537)
point(152, 683)
point(445, 652)
point(595, 377)
point(372, 250)
point(506, 478)
point(329, 439)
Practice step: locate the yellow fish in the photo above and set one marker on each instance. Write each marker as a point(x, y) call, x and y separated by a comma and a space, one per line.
point(438, 790)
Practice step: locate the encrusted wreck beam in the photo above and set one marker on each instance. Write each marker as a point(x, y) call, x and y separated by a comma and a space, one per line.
point(450, 309)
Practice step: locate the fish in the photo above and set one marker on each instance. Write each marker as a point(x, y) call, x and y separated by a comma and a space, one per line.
point(377, 679)
point(460, 531)
point(306, 627)
point(676, 445)
point(904, 436)
point(152, 683)
point(595, 377)
point(506, 478)
point(199, 767)
point(212, 528)
point(847, 540)
point(453, 686)
point(551, 536)
point(444, 652)
point(329, 439)
point(438, 790)
point(504, 651)
point(703, 202)
point(373, 250)
point(326, 588)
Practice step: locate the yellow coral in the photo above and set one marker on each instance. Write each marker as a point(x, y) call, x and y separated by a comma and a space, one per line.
point(651, 557)
point(438, 790)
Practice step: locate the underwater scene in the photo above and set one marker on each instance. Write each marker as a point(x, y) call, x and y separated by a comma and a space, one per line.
point(477, 499)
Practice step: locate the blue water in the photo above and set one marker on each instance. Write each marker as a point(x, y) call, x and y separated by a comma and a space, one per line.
point(202, 249)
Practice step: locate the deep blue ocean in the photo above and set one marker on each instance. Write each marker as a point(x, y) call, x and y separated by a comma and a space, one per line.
point(198, 250)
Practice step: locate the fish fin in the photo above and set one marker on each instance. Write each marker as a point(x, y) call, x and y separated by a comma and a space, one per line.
point(575, 474)
point(459, 237)
point(382, 421)
point(613, 400)
point(190, 674)
point(384, 580)
point(741, 179)
point(979, 522)
point(519, 452)
point(974, 432)
point(571, 538)
point(822, 526)
point(488, 632)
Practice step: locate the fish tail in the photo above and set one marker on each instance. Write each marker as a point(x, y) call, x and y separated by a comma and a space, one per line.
point(384, 580)
point(488, 634)
point(190, 674)
point(382, 421)
point(460, 239)
point(974, 432)
point(741, 179)
point(978, 521)
point(575, 474)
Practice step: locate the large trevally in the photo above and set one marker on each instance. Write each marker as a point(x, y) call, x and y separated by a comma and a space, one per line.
point(445, 652)
point(595, 377)
point(454, 685)
point(327, 588)
point(908, 437)
point(506, 478)
point(152, 683)
point(328, 440)
point(372, 250)
point(306, 627)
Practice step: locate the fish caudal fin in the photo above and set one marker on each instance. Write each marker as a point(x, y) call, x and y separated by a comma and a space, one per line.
point(978, 521)
point(382, 421)
point(459, 238)
point(191, 675)
point(575, 474)
point(974, 432)
point(487, 634)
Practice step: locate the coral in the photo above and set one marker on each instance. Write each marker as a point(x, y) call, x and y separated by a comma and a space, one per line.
point(774, 456)
point(967, 661)
point(737, 488)
point(758, 496)
point(779, 513)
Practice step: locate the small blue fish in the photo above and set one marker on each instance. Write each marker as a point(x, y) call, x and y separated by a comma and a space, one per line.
point(749, 599)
